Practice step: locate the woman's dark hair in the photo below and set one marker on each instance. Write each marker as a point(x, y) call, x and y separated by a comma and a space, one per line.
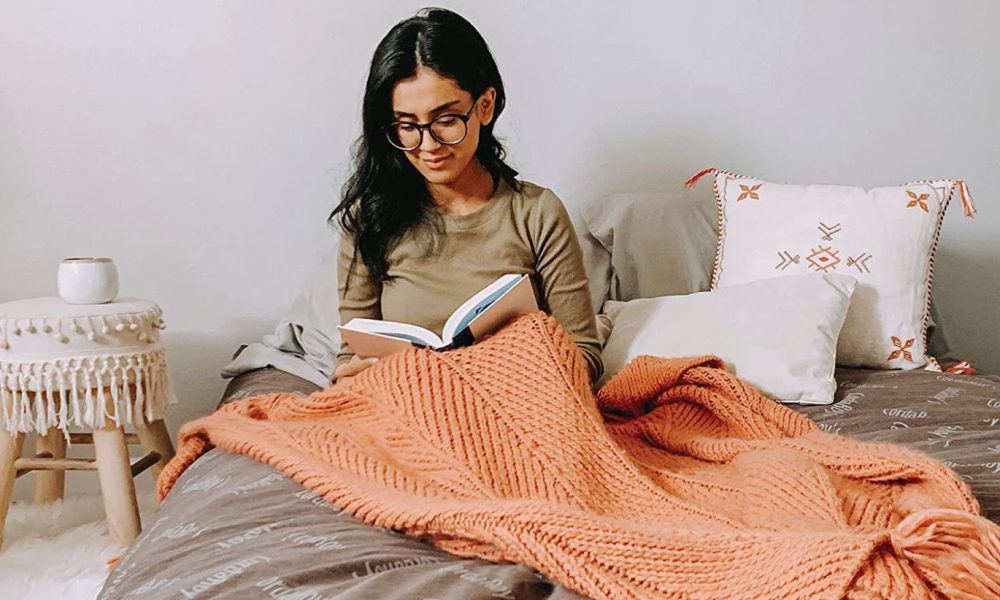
point(385, 195)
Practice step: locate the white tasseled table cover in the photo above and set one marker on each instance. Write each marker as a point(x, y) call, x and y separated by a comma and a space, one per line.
point(62, 364)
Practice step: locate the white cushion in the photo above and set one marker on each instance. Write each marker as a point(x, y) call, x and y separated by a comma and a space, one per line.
point(779, 334)
point(885, 237)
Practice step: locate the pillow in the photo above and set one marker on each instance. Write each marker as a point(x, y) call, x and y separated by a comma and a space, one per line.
point(885, 237)
point(597, 263)
point(778, 334)
point(660, 244)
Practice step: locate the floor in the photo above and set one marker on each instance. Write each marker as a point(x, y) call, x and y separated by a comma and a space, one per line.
point(59, 550)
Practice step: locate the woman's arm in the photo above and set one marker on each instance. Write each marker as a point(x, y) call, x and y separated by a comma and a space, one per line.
point(360, 297)
point(563, 277)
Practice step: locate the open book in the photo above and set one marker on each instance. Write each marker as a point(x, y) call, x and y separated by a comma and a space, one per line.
point(485, 312)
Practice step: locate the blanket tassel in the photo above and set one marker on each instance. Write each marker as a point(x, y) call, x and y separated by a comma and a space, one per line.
point(958, 552)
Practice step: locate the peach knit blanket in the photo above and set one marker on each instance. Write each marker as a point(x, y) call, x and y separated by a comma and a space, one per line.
point(677, 481)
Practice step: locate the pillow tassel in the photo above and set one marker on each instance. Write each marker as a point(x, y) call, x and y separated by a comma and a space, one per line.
point(690, 183)
point(963, 368)
point(967, 203)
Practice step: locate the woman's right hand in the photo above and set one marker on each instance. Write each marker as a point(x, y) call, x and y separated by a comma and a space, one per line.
point(352, 367)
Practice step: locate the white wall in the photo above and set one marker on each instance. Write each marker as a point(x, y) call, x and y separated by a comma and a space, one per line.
point(201, 144)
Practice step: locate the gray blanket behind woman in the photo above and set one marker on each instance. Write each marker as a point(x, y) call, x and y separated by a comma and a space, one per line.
point(306, 341)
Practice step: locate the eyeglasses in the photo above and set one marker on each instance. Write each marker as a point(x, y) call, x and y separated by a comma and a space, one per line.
point(448, 129)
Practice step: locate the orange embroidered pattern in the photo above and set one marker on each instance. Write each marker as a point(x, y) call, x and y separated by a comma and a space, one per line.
point(786, 259)
point(860, 262)
point(916, 200)
point(823, 259)
point(902, 349)
point(828, 231)
point(749, 191)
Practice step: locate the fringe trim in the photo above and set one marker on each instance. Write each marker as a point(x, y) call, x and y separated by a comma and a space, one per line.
point(925, 320)
point(720, 205)
point(83, 392)
point(956, 551)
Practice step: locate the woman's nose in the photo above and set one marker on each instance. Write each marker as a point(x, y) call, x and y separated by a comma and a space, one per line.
point(427, 142)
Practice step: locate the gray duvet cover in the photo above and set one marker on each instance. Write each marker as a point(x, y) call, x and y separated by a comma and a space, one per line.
point(235, 528)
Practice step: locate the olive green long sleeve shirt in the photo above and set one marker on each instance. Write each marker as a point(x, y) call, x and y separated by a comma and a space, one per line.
point(526, 231)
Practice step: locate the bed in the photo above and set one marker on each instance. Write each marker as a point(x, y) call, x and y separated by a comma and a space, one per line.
point(232, 527)
point(236, 528)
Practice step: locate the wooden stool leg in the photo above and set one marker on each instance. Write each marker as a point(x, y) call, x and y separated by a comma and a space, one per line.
point(10, 450)
point(117, 487)
point(49, 485)
point(154, 436)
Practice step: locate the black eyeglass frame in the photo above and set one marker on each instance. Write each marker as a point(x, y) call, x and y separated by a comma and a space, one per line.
point(427, 126)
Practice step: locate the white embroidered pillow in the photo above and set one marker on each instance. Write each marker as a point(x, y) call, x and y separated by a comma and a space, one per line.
point(884, 237)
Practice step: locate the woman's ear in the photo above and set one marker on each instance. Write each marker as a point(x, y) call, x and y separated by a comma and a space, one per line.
point(487, 103)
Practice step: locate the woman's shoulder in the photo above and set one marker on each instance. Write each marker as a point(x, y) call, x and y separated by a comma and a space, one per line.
point(540, 211)
point(532, 198)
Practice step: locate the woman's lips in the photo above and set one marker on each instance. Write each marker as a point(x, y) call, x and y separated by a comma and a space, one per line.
point(436, 163)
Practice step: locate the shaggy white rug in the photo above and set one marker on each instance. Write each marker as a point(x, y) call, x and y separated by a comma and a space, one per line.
point(59, 550)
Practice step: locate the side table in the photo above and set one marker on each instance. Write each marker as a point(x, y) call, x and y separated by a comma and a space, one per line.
point(99, 368)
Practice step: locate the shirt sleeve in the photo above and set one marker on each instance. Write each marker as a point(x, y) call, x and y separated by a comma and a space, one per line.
point(563, 278)
point(359, 296)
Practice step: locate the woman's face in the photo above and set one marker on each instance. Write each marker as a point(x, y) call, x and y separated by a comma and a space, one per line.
point(426, 96)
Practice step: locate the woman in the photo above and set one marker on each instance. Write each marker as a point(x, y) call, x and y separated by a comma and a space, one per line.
point(432, 213)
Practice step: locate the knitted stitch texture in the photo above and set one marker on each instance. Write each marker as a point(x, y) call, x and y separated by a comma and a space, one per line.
point(677, 481)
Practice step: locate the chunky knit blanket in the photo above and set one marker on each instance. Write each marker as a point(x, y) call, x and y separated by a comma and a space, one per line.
point(677, 481)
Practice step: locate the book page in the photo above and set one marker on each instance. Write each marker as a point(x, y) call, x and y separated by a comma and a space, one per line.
point(373, 345)
point(403, 331)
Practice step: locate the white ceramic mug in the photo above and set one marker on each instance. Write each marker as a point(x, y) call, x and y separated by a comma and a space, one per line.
point(88, 280)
